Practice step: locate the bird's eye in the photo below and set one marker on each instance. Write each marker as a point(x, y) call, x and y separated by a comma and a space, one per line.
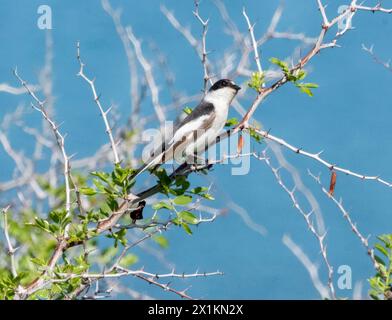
point(224, 82)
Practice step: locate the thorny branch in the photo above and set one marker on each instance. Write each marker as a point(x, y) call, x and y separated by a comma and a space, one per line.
point(317, 157)
point(96, 97)
point(308, 219)
point(254, 42)
point(40, 107)
point(339, 204)
point(147, 68)
point(204, 61)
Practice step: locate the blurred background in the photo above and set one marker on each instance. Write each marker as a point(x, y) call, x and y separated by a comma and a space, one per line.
point(349, 118)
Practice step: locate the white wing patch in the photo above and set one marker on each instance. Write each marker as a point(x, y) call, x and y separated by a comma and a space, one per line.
point(189, 128)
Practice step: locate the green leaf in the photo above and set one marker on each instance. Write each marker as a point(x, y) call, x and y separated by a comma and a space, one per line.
point(256, 81)
point(38, 261)
point(101, 175)
point(252, 132)
point(380, 248)
point(88, 191)
point(306, 88)
point(281, 64)
point(186, 228)
point(161, 241)
point(311, 85)
point(112, 203)
point(182, 183)
point(300, 74)
point(182, 200)
point(207, 196)
point(386, 239)
point(162, 204)
point(307, 91)
point(198, 190)
point(99, 185)
point(187, 110)
point(42, 224)
point(188, 217)
point(379, 260)
point(231, 122)
point(129, 260)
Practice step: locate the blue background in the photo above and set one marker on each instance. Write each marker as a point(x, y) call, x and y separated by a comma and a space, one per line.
point(349, 117)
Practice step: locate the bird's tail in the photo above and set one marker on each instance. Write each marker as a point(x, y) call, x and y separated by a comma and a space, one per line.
point(154, 163)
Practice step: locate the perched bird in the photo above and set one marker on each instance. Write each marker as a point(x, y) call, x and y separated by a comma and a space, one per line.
point(199, 128)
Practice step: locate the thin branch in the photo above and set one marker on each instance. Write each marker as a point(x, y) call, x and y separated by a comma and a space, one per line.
point(5, 87)
point(149, 277)
point(121, 272)
point(200, 49)
point(376, 8)
point(339, 204)
point(254, 42)
point(307, 217)
point(134, 78)
point(11, 249)
point(40, 107)
point(24, 166)
point(317, 157)
point(308, 264)
point(203, 54)
point(99, 105)
point(370, 50)
point(147, 68)
point(323, 13)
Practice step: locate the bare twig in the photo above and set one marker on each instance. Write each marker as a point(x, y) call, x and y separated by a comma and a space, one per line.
point(24, 166)
point(370, 50)
point(5, 87)
point(317, 157)
point(11, 249)
point(134, 77)
point(200, 48)
point(307, 217)
point(121, 272)
point(347, 217)
point(203, 54)
point(96, 97)
point(60, 142)
point(144, 275)
point(308, 264)
point(147, 68)
point(253, 40)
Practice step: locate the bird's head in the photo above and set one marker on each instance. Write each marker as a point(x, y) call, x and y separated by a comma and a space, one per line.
point(224, 90)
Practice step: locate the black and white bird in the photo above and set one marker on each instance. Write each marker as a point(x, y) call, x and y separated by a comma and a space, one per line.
point(199, 129)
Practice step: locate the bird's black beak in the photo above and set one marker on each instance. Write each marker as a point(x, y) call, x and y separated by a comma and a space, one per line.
point(237, 88)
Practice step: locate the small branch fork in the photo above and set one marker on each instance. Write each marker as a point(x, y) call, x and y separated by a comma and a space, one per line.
point(40, 107)
point(96, 97)
point(385, 64)
point(339, 204)
point(200, 50)
point(147, 68)
point(308, 264)
point(307, 217)
point(254, 42)
point(204, 53)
